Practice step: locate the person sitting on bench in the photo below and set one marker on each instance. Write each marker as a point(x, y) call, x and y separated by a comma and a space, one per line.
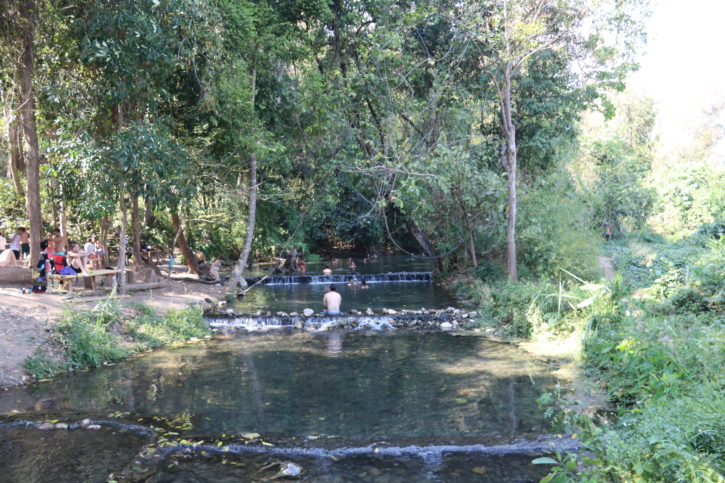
point(78, 259)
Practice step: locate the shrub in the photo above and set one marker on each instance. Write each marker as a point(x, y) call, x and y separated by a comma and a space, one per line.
point(88, 341)
point(105, 334)
point(556, 232)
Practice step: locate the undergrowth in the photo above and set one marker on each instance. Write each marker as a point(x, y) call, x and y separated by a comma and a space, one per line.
point(659, 352)
point(654, 338)
point(107, 334)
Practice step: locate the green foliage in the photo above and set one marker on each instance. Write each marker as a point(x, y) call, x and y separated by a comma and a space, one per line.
point(152, 331)
point(88, 337)
point(661, 364)
point(514, 309)
point(556, 231)
point(108, 334)
point(41, 366)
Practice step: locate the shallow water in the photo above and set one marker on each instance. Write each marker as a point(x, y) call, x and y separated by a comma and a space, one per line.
point(333, 389)
point(381, 264)
point(295, 298)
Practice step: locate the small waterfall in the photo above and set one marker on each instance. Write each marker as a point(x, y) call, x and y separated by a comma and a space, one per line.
point(252, 322)
point(342, 278)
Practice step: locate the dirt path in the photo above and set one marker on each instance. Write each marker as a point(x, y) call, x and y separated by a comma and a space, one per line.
point(26, 320)
point(606, 265)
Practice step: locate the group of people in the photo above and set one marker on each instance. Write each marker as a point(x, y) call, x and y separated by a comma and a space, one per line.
point(54, 253)
point(14, 249)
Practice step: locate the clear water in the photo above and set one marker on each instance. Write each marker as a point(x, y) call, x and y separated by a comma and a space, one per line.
point(381, 264)
point(342, 406)
point(393, 295)
point(334, 389)
point(335, 383)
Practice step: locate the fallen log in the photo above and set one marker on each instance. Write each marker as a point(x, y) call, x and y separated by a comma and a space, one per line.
point(15, 274)
point(146, 285)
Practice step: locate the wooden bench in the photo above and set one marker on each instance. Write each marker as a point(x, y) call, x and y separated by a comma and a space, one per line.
point(66, 281)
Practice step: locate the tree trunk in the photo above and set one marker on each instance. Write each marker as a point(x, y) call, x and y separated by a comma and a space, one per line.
point(122, 242)
point(236, 279)
point(422, 239)
point(149, 217)
point(104, 240)
point(62, 218)
point(121, 279)
point(27, 112)
point(16, 164)
point(510, 162)
point(188, 255)
point(136, 233)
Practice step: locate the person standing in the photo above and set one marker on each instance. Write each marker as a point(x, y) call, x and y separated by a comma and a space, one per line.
point(90, 249)
point(214, 270)
point(16, 242)
point(332, 301)
point(25, 243)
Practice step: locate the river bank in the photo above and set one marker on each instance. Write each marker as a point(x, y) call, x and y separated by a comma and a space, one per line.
point(27, 320)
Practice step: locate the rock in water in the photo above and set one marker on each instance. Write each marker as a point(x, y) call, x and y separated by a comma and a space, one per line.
point(446, 326)
point(288, 470)
point(369, 311)
point(308, 312)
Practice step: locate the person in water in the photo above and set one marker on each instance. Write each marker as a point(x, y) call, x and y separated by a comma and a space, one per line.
point(327, 270)
point(301, 265)
point(363, 284)
point(351, 282)
point(332, 301)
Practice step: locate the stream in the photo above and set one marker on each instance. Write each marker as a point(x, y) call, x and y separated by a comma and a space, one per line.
point(328, 405)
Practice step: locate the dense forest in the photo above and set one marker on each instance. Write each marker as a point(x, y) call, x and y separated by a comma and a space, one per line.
point(496, 137)
point(255, 127)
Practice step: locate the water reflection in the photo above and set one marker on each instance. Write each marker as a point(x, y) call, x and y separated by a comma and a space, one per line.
point(338, 383)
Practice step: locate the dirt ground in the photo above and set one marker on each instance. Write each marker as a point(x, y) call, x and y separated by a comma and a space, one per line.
point(26, 320)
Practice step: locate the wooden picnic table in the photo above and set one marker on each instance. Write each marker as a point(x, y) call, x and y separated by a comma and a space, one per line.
point(67, 280)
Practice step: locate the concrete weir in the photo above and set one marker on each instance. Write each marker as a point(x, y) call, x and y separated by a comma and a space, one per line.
point(445, 319)
point(342, 278)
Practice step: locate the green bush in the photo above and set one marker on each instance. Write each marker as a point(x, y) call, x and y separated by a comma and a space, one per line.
point(513, 308)
point(153, 331)
point(665, 375)
point(555, 232)
point(105, 334)
point(88, 340)
point(40, 366)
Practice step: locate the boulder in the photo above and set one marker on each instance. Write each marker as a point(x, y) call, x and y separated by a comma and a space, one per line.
point(369, 311)
point(446, 326)
point(308, 312)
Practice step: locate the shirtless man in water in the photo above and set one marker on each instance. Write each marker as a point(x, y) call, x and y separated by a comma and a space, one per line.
point(332, 301)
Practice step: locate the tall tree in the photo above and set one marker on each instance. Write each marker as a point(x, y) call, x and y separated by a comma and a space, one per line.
point(28, 20)
point(507, 34)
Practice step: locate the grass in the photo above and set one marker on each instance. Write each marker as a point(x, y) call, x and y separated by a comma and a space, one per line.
point(654, 339)
point(659, 352)
point(107, 334)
